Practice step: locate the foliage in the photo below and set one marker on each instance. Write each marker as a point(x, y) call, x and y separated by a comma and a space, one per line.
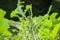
point(30, 28)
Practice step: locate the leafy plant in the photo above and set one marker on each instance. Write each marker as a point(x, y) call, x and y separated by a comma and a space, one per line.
point(30, 28)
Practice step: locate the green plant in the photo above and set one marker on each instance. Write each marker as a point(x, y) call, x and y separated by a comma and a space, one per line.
point(30, 28)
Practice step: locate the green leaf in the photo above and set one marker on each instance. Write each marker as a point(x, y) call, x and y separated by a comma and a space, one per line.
point(53, 15)
point(47, 23)
point(2, 14)
point(58, 19)
point(14, 13)
point(4, 25)
point(27, 8)
point(55, 30)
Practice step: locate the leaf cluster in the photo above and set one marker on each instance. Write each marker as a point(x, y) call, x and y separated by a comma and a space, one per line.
point(30, 28)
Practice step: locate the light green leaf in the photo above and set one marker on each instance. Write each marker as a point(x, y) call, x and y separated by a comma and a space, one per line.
point(53, 15)
point(4, 27)
point(14, 13)
point(27, 8)
point(55, 30)
point(2, 14)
